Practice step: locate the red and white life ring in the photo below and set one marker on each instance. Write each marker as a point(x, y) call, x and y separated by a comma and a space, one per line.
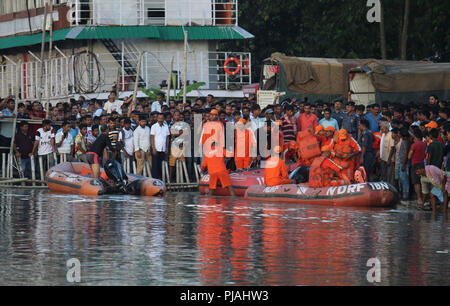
point(227, 70)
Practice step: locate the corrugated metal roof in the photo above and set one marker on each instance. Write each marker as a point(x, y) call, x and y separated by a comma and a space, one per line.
point(129, 32)
point(27, 40)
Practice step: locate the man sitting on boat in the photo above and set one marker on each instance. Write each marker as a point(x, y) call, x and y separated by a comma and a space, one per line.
point(345, 150)
point(325, 173)
point(276, 172)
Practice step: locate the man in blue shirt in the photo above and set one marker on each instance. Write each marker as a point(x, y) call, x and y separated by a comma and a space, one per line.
point(328, 121)
point(365, 141)
point(373, 117)
point(338, 113)
point(351, 120)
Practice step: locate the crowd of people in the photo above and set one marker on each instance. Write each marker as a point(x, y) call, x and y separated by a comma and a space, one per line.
point(405, 145)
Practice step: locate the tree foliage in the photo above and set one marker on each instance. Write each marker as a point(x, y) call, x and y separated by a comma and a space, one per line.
point(339, 29)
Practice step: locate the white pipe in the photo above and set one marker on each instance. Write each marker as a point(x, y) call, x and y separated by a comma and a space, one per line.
point(33, 173)
point(186, 174)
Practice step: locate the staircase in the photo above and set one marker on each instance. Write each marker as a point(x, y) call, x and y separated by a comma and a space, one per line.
point(130, 60)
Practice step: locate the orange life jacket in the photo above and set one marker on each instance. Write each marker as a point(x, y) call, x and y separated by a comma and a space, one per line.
point(308, 146)
point(377, 140)
point(318, 176)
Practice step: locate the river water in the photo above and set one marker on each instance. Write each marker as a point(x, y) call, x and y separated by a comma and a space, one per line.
point(188, 239)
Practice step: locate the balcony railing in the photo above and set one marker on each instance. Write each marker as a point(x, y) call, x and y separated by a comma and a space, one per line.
point(154, 12)
point(63, 75)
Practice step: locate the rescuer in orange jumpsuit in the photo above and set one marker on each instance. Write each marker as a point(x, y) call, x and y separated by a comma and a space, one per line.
point(321, 135)
point(345, 150)
point(326, 173)
point(290, 153)
point(213, 131)
point(245, 143)
point(330, 135)
point(276, 172)
point(214, 161)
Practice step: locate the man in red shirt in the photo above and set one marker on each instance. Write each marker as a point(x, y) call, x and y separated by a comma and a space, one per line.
point(417, 157)
point(36, 114)
point(307, 120)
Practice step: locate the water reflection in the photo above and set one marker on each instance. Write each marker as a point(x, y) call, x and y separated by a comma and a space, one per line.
point(187, 239)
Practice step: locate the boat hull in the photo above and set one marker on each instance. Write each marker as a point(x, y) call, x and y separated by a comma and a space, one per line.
point(378, 194)
point(73, 178)
point(240, 181)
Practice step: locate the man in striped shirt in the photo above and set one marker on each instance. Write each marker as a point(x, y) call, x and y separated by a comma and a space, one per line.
point(289, 126)
point(113, 136)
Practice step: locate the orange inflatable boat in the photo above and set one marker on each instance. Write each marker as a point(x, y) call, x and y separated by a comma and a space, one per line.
point(73, 178)
point(240, 180)
point(357, 195)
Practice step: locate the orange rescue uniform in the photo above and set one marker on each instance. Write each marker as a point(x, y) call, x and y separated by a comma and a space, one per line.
point(346, 147)
point(216, 169)
point(244, 141)
point(276, 172)
point(321, 173)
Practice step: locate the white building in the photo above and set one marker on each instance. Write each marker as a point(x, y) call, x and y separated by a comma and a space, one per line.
point(96, 43)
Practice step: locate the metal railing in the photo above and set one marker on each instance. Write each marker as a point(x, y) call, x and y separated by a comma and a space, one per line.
point(58, 78)
point(154, 12)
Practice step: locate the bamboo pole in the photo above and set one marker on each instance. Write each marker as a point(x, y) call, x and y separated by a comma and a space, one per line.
point(47, 105)
point(169, 81)
point(44, 24)
point(136, 83)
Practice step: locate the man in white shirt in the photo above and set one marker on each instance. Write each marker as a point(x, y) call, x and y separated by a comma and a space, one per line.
point(159, 137)
point(64, 143)
point(387, 149)
point(113, 105)
point(157, 105)
point(44, 145)
point(141, 140)
point(126, 141)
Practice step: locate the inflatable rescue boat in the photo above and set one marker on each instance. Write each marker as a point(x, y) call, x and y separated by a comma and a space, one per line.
point(74, 178)
point(240, 181)
point(357, 195)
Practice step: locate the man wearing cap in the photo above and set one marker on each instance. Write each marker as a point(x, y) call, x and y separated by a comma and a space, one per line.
point(324, 172)
point(290, 154)
point(245, 145)
point(213, 131)
point(345, 150)
point(431, 125)
point(276, 172)
point(321, 135)
point(350, 121)
point(330, 135)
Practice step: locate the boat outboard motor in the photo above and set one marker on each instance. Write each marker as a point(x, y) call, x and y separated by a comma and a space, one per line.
point(115, 172)
point(300, 175)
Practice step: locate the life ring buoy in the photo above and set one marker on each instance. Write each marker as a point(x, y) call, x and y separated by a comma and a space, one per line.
point(227, 70)
point(246, 66)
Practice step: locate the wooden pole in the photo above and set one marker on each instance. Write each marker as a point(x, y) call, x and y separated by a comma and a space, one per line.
point(136, 83)
point(44, 24)
point(185, 67)
point(169, 80)
point(47, 105)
